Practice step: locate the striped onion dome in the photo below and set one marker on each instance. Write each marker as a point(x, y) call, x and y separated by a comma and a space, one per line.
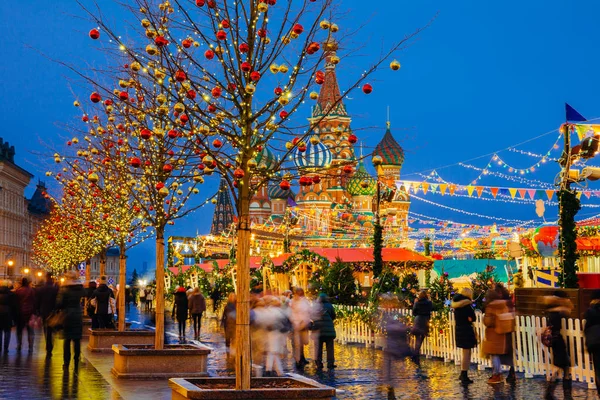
point(355, 184)
point(316, 156)
point(265, 159)
point(275, 192)
point(389, 150)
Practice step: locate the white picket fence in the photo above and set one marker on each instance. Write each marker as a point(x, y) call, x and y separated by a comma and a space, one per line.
point(530, 356)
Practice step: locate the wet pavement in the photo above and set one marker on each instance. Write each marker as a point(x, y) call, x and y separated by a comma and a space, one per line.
point(32, 376)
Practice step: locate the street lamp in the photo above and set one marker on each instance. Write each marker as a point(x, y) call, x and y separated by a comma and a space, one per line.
point(377, 228)
point(26, 271)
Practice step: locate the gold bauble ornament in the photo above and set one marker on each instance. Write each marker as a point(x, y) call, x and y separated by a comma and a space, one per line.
point(163, 110)
point(163, 191)
point(150, 33)
point(286, 40)
point(325, 24)
point(195, 191)
point(335, 60)
point(179, 107)
point(161, 98)
point(145, 23)
point(334, 28)
point(250, 88)
point(289, 145)
point(395, 65)
point(151, 49)
point(284, 99)
point(294, 35)
point(252, 163)
point(159, 74)
point(76, 103)
point(274, 68)
point(315, 140)
point(314, 95)
point(283, 68)
point(135, 66)
point(93, 177)
point(262, 7)
point(377, 160)
point(214, 201)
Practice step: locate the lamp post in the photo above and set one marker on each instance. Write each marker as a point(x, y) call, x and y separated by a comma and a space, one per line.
point(9, 264)
point(377, 228)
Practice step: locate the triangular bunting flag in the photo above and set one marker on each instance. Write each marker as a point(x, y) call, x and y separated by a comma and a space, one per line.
point(522, 192)
point(531, 193)
point(470, 190)
point(452, 189)
point(416, 186)
point(494, 191)
point(443, 187)
point(425, 187)
point(434, 187)
point(578, 195)
point(512, 192)
point(479, 190)
point(549, 193)
point(587, 193)
point(539, 193)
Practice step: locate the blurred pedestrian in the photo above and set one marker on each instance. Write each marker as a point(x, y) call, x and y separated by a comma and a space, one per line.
point(9, 313)
point(180, 310)
point(149, 298)
point(69, 300)
point(90, 309)
point(300, 316)
point(142, 298)
point(558, 306)
point(323, 321)
point(277, 326)
point(592, 334)
point(197, 305)
point(228, 322)
point(26, 300)
point(46, 303)
point(422, 313)
point(397, 347)
point(508, 324)
point(495, 343)
point(102, 298)
point(464, 316)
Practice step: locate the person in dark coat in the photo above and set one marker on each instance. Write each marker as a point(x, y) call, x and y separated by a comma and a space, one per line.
point(102, 295)
point(228, 322)
point(9, 313)
point(323, 322)
point(464, 315)
point(26, 300)
point(197, 305)
point(422, 313)
point(180, 309)
point(46, 303)
point(558, 306)
point(69, 300)
point(89, 309)
point(592, 334)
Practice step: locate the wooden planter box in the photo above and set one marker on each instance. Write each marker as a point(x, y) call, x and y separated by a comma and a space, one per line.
point(281, 388)
point(102, 340)
point(87, 326)
point(144, 362)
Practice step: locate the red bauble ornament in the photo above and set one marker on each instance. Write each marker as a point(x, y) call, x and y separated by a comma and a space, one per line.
point(209, 54)
point(347, 169)
point(302, 148)
point(172, 134)
point(135, 162)
point(200, 3)
point(316, 179)
point(244, 48)
point(191, 94)
point(94, 34)
point(216, 92)
point(278, 91)
point(95, 97)
point(231, 87)
point(298, 29)
point(160, 41)
point(305, 181)
point(201, 167)
point(85, 118)
point(167, 168)
point(283, 114)
point(180, 76)
point(352, 139)
point(284, 185)
point(221, 35)
point(255, 76)
point(313, 48)
point(217, 144)
point(225, 24)
point(123, 96)
point(108, 102)
point(184, 118)
point(187, 43)
point(319, 77)
point(295, 141)
point(261, 33)
point(238, 173)
point(212, 108)
point(159, 185)
point(367, 88)
point(212, 3)
point(145, 133)
point(271, 2)
point(246, 66)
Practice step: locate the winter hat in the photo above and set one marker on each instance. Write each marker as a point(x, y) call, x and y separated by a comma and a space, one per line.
point(103, 280)
point(181, 289)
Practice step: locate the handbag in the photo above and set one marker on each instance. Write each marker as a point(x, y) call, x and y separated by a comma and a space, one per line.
point(56, 320)
point(112, 305)
point(34, 322)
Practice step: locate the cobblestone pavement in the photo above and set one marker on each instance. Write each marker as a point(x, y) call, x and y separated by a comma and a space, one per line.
point(32, 377)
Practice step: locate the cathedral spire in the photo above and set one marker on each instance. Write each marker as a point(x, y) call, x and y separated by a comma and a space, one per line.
point(223, 215)
point(330, 97)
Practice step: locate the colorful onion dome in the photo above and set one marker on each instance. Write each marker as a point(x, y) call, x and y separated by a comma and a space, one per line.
point(317, 156)
point(362, 184)
point(389, 150)
point(275, 193)
point(265, 158)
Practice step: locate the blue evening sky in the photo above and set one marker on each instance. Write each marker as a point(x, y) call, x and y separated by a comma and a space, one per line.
point(483, 77)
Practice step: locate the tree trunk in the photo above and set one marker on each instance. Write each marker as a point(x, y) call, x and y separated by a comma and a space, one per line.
point(159, 338)
point(122, 291)
point(243, 362)
point(103, 262)
point(88, 270)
